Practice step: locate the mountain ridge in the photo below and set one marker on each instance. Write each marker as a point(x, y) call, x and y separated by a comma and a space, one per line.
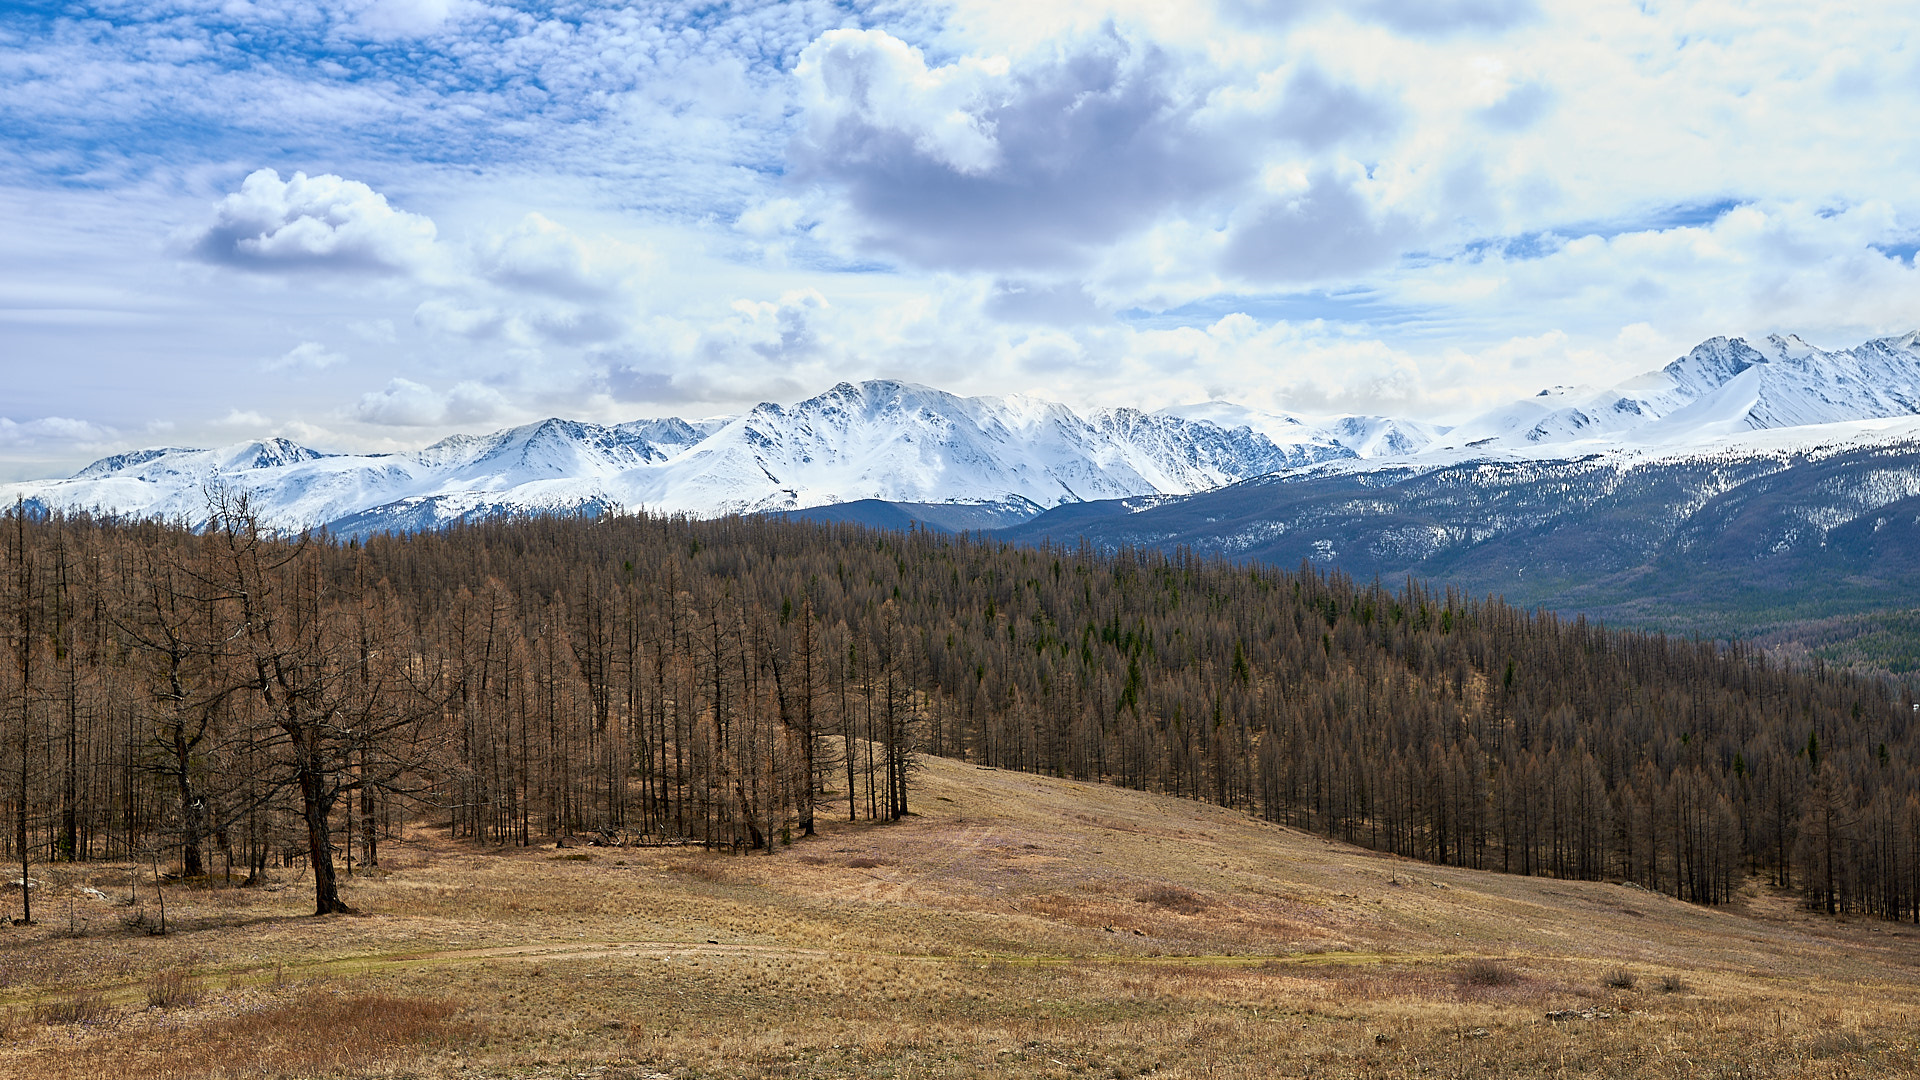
point(902, 443)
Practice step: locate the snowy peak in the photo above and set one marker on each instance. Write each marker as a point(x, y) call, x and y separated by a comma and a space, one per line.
point(1722, 387)
point(1308, 441)
point(1712, 364)
point(181, 462)
point(887, 440)
point(902, 442)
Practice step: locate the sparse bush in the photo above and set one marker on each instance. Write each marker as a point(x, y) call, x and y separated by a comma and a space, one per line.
point(173, 989)
point(77, 1009)
point(1485, 972)
point(694, 868)
point(1671, 984)
point(1618, 979)
point(1174, 898)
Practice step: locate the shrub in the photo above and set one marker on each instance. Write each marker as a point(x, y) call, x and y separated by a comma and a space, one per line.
point(1174, 898)
point(1485, 972)
point(1671, 984)
point(173, 989)
point(1618, 979)
point(77, 1009)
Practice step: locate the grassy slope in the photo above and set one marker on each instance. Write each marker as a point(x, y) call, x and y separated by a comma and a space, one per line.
point(1016, 926)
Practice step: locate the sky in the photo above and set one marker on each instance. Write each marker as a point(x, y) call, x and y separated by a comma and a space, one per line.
point(368, 224)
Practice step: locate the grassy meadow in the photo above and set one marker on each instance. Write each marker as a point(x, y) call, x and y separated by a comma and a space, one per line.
point(1014, 926)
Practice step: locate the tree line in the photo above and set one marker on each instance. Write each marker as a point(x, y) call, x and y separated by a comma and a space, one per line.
point(228, 696)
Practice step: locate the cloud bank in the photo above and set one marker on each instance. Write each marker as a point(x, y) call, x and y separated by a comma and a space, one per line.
point(382, 220)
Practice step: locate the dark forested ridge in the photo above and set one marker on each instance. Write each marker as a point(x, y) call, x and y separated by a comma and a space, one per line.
point(1815, 547)
point(222, 698)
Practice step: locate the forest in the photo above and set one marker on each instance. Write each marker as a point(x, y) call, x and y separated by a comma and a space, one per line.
point(218, 700)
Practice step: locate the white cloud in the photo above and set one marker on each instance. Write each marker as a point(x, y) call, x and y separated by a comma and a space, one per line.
point(1383, 203)
point(404, 18)
point(320, 222)
point(52, 431)
point(405, 403)
point(870, 79)
point(541, 256)
point(306, 356)
point(244, 418)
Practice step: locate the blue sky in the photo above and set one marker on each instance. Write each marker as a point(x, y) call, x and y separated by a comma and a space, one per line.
point(370, 223)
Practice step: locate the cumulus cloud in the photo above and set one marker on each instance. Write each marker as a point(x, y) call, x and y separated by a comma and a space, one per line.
point(541, 256)
point(1326, 227)
point(1071, 199)
point(782, 331)
point(1318, 111)
point(1032, 167)
point(52, 431)
point(403, 18)
point(1052, 303)
point(306, 356)
point(405, 403)
point(306, 223)
point(244, 418)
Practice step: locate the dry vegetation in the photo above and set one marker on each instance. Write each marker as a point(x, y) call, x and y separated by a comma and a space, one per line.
point(1016, 926)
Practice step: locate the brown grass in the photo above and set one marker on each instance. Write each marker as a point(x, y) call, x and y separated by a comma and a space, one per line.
point(1619, 979)
point(1174, 898)
point(74, 1009)
point(1017, 926)
point(173, 988)
point(317, 1033)
point(1487, 972)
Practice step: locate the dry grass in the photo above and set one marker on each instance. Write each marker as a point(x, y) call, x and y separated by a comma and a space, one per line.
point(315, 1033)
point(173, 989)
point(1619, 979)
point(73, 1009)
point(1018, 926)
point(1487, 972)
point(1174, 898)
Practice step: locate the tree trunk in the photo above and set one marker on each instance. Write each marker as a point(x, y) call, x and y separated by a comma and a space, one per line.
point(315, 806)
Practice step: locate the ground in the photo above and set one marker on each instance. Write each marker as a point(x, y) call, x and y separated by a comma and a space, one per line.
point(1014, 926)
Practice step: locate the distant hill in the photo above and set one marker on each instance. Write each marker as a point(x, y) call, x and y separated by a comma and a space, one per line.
point(1722, 542)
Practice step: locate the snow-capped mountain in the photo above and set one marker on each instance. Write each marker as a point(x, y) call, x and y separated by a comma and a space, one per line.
point(1723, 387)
point(906, 444)
point(1310, 441)
point(875, 440)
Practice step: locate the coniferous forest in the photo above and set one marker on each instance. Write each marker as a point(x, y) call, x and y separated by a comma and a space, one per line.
point(227, 699)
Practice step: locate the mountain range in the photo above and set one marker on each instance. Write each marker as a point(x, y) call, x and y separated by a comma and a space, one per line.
point(881, 440)
point(1774, 478)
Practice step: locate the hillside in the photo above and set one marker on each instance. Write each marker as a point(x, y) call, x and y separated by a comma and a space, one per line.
point(1731, 541)
point(546, 678)
point(1015, 926)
